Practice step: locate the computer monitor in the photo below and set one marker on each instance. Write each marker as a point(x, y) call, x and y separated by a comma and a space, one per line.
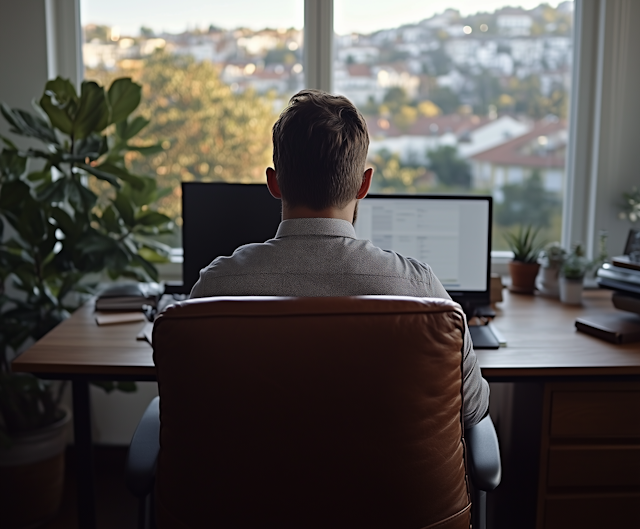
point(219, 217)
point(450, 233)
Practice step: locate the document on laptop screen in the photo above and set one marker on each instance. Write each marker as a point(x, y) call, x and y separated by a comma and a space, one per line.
point(450, 235)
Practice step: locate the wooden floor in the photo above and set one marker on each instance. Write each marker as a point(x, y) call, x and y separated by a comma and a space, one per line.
point(116, 507)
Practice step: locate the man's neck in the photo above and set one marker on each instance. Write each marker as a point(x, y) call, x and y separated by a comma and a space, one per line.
point(302, 212)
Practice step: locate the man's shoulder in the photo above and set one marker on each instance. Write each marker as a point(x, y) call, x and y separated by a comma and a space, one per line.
point(243, 258)
point(376, 256)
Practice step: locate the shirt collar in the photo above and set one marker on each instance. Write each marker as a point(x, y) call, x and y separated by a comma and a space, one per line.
point(326, 227)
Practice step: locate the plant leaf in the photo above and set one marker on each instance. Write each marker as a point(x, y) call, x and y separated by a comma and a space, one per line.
point(128, 129)
point(100, 174)
point(93, 112)
point(147, 150)
point(29, 125)
point(60, 102)
point(152, 218)
point(124, 96)
point(135, 181)
point(12, 165)
point(125, 209)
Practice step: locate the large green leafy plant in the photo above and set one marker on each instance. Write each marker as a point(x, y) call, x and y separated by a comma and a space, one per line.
point(68, 209)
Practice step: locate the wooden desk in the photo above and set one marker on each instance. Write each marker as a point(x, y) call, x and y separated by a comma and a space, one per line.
point(542, 341)
point(543, 345)
point(80, 351)
point(540, 333)
point(581, 461)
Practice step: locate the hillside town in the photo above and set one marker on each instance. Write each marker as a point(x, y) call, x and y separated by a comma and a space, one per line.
point(492, 88)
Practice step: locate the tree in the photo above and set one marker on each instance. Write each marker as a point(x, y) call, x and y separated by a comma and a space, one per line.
point(392, 176)
point(395, 98)
point(528, 203)
point(451, 170)
point(209, 132)
point(445, 98)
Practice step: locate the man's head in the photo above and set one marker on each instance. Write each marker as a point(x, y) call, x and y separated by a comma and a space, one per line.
point(320, 145)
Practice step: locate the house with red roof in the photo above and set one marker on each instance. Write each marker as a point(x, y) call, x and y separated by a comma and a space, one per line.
point(542, 149)
point(470, 134)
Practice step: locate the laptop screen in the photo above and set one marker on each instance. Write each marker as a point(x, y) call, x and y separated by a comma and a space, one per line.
point(450, 233)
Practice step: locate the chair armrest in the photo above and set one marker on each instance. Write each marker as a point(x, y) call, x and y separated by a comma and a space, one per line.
point(140, 470)
point(484, 455)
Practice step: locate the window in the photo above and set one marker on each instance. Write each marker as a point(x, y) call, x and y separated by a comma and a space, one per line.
point(456, 100)
point(215, 76)
point(463, 100)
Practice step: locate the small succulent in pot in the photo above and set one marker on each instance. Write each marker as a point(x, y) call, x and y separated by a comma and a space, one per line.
point(576, 265)
point(551, 259)
point(552, 255)
point(524, 267)
point(572, 273)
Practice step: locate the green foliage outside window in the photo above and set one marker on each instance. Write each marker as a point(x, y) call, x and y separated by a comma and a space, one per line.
point(211, 132)
point(451, 170)
point(527, 203)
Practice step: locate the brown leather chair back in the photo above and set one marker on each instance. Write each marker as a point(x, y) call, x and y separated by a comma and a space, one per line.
point(311, 413)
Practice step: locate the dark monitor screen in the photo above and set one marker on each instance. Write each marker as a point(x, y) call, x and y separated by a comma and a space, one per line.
point(219, 217)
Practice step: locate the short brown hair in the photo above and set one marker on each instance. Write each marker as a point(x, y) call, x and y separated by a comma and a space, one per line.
point(320, 145)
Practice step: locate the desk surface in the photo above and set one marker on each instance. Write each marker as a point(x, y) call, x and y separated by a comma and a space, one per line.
point(542, 340)
point(78, 346)
point(540, 334)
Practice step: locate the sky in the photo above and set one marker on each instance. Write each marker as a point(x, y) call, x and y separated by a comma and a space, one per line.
point(363, 16)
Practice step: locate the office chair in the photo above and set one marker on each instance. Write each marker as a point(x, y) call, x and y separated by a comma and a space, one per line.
point(311, 413)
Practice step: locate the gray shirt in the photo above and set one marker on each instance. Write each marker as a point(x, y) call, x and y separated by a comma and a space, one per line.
point(323, 257)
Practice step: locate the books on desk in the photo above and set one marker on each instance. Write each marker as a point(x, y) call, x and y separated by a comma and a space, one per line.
point(615, 328)
point(621, 278)
point(128, 296)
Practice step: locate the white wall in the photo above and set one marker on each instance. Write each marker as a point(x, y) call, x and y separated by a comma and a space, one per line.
point(604, 154)
point(618, 165)
point(23, 54)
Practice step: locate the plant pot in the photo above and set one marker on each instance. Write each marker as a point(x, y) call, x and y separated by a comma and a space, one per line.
point(571, 291)
point(32, 475)
point(523, 277)
point(547, 281)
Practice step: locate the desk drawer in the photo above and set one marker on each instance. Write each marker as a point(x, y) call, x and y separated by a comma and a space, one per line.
point(594, 466)
point(592, 512)
point(595, 414)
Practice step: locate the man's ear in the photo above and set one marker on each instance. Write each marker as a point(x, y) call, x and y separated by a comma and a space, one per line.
point(366, 183)
point(272, 183)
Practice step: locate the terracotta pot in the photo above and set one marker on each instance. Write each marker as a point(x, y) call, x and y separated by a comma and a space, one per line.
point(32, 476)
point(523, 277)
point(571, 291)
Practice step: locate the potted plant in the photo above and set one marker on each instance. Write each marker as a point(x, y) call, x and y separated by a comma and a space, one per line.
point(76, 211)
point(573, 270)
point(524, 266)
point(551, 258)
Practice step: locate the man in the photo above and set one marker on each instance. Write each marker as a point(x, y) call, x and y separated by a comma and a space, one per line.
point(320, 145)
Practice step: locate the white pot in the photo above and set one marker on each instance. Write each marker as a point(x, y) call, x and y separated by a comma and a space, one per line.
point(547, 281)
point(37, 445)
point(571, 291)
